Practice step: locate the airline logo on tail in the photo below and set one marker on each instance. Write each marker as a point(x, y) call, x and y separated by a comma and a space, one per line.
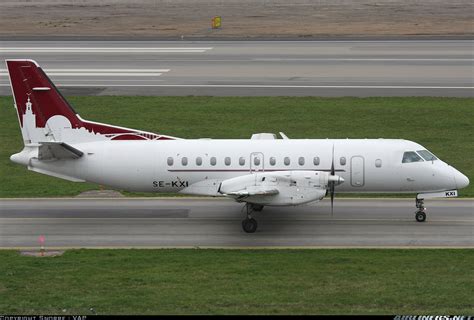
point(45, 115)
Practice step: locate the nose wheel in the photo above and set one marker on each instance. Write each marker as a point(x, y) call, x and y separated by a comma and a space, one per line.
point(249, 224)
point(420, 214)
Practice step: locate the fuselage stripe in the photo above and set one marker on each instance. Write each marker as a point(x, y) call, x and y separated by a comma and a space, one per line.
point(248, 170)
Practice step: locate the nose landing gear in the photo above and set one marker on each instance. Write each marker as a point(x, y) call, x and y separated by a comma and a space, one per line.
point(420, 214)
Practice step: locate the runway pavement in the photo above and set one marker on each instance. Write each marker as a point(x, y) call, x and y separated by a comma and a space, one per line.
point(251, 68)
point(188, 222)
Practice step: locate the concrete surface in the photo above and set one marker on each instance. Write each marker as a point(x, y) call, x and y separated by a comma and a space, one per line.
point(252, 68)
point(188, 222)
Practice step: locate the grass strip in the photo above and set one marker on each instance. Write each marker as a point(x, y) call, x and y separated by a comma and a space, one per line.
point(195, 281)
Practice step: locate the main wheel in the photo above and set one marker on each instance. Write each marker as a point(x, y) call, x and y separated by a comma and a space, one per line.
point(249, 225)
point(420, 216)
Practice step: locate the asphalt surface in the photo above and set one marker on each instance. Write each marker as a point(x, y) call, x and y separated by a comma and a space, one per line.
point(184, 222)
point(252, 68)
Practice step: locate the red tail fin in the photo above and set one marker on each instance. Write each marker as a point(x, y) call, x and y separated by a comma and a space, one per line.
point(45, 115)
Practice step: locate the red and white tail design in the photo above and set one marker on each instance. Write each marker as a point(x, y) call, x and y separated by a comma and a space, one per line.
point(45, 115)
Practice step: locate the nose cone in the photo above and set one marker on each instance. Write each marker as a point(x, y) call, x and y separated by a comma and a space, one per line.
point(461, 180)
point(336, 179)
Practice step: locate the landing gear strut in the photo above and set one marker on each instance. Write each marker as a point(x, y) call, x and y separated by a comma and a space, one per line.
point(250, 224)
point(420, 214)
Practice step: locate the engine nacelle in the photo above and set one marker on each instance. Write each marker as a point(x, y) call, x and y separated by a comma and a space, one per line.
point(279, 188)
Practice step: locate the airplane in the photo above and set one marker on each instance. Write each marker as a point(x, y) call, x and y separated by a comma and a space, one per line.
point(258, 172)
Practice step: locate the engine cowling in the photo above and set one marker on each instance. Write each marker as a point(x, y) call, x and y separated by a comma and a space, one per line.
point(279, 188)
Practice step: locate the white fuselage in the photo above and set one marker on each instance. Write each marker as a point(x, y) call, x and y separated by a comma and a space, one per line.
point(366, 165)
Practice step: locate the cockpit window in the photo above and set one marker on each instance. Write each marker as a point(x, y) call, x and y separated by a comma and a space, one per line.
point(411, 156)
point(428, 156)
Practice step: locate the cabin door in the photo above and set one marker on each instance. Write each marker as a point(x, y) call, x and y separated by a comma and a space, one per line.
point(357, 171)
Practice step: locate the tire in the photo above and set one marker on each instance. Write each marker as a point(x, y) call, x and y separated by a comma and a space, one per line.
point(249, 225)
point(420, 216)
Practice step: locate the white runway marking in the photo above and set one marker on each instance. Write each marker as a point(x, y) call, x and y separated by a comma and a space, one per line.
point(254, 86)
point(99, 74)
point(292, 60)
point(361, 59)
point(227, 219)
point(104, 50)
point(101, 70)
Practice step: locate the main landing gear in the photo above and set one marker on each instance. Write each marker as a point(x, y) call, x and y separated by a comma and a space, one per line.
point(249, 224)
point(420, 214)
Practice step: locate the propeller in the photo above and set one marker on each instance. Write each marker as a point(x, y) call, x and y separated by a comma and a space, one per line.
point(332, 184)
point(333, 180)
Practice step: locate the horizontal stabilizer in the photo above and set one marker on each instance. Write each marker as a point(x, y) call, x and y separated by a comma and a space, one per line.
point(56, 174)
point(57, 151)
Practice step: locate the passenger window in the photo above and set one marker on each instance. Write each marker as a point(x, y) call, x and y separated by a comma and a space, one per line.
point(428, 156)
point(286, 161)
point(316, 161)
point(301, 161)
point(213, 161)
point(184, 161)
point(227, 161)
point(342, 161)
point(256, 161)
point(378, 163)
point(242, 161)
point(411, 156)
point(170, 161)
point(272, 161)
point(198, 161)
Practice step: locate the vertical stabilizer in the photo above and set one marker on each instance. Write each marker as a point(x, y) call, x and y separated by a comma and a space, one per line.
point(45, 115)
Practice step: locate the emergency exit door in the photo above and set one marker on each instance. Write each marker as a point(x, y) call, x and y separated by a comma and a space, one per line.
point(256, 162)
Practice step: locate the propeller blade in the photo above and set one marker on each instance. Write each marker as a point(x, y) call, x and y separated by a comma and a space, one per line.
point(332, 184)
point(332, 162)
point(332, 201)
